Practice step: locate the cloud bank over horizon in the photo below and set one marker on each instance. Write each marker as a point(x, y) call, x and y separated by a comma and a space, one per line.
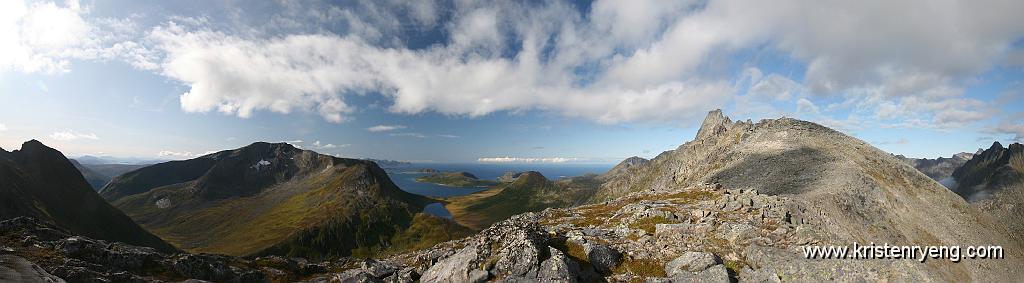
point(508, 159)
point(848, 65)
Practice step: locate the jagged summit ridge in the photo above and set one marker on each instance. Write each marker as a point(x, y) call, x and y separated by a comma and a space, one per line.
point(847, 183)
point(990, 171)
point(714, 123)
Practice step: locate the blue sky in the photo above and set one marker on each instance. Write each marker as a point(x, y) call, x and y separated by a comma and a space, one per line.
point(533, 81)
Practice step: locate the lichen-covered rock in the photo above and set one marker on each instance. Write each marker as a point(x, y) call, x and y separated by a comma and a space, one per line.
point(691, 262)
point(713, 274)
point(558, 268)
point(602, 257)
point(455, 268)
point(765, 275)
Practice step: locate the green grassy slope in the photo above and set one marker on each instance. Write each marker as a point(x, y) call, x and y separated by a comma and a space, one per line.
point(531, 191)
point(456, 179)
point(301, 204)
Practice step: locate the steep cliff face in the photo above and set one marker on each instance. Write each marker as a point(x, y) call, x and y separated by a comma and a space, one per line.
point(990, 171)
point(38, 181)
point(993, 181)
point(268, 199)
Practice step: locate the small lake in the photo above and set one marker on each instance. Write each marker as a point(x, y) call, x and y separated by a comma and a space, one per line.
point(405, 178)
point(437, 209)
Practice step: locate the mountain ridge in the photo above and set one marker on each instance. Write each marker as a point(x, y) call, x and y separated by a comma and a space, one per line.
point(38, 181)
point(268, 199)
point(847, 182)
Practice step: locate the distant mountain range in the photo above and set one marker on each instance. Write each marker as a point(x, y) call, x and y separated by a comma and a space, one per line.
point(939, 169)
point(387, 164)
point(98, 160)
point(268, 199)
point(98, 175)
point(39, 182)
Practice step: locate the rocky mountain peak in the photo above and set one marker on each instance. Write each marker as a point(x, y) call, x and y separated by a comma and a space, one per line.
point(1016, 147)
point(633, 161)
point(260, 149)
point(47, 186)
point(467, 175)
point(625, 166)
point(32, 144)
point(714, 123)
point(846, 181)
point(33, 148)
point(509, 176)
point(996, 145)
point(530, 178)
point(963, 155)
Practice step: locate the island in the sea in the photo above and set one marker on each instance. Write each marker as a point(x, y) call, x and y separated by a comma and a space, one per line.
point(456, 179)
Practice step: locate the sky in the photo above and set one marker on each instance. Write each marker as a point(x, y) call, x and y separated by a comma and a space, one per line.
point(502, 81)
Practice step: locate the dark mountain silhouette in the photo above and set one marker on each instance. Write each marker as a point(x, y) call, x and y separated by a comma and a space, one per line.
point(990, 171)
point(38, 181)
point(993, 181)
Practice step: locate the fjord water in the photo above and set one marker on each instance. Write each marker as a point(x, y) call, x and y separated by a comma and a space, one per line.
point(405, 177)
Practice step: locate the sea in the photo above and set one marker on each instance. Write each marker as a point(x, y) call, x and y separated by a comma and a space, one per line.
point(405, 177)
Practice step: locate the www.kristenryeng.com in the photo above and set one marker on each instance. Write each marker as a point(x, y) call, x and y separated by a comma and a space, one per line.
point(916, 252)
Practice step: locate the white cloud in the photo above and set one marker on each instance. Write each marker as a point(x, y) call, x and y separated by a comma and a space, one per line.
point(1009, 127)
point(70, 135)
point(3, 127)
point(236, 75)
point(414, 135)
point(507, 159)
point(625, 61)
point(319, 145)
point(181, 154)
point(385, 128)
point(448, 136)
point(806, 106)
point(294, 141)
point(36, 37)
point(898, 141)
point(775, 86)
point(45, 37)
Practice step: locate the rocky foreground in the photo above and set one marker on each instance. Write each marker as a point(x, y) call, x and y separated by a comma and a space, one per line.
point(35, 251)
point(703, 233)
